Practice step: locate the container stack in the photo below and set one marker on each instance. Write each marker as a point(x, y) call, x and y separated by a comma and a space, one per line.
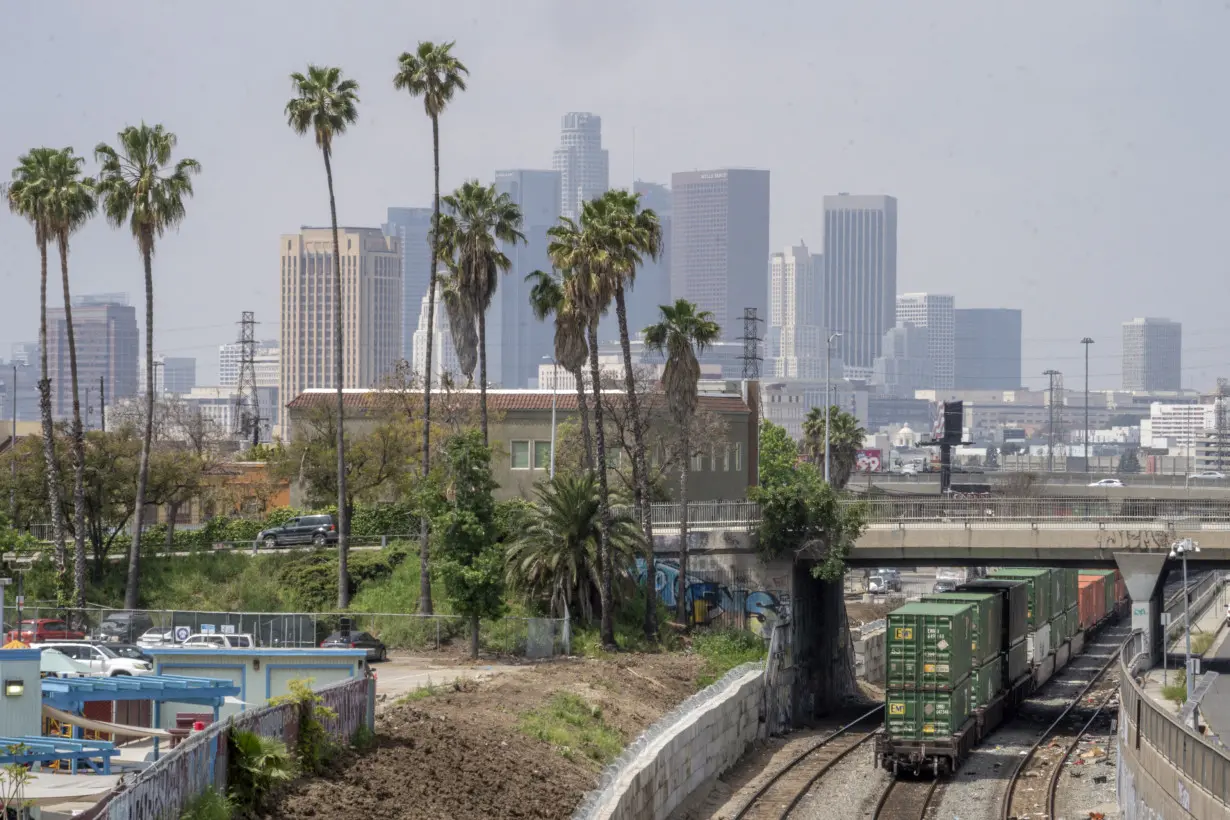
point(1014, 622)
point(1042, 589)
point(987, 675)
point(1109, 584)
point(1071, 585)
point(931, 660)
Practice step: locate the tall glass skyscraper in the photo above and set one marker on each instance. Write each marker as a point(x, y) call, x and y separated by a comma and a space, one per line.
point(582, 163)
point(860, 262)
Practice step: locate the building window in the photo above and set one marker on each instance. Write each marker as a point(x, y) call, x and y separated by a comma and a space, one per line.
point(542, 455)
point(520, 455)
point(738, 456)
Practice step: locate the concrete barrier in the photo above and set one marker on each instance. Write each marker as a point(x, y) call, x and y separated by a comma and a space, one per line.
point(869, 656)
point(699, 740)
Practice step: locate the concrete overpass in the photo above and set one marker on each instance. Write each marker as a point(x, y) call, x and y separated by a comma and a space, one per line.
point(1067, 485)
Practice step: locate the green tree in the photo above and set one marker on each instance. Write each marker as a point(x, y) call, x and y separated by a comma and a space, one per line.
point(844, 442)
point(549, 297)
point(479, 219)
point(1129, 463)
point(469, 560)
point(139, 185)
point(682, 333)
point(556, 556)
point(433, 73)
point(326, 105)
point(779, 455)
point(31, 194)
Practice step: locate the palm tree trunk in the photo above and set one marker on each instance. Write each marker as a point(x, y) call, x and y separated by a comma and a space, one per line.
point(339, 349)
point(640, 474)
point(681, 604)
point(78, 441)
point(132, 588)
point(482, 373)
point(607, 628)
point(583, 412)
point(424, 565)
point(49, 443)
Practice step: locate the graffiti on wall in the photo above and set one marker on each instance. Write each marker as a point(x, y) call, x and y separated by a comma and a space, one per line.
point(721, 598)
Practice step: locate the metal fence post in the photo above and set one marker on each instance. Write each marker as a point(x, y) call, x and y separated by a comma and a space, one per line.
point(437, 620)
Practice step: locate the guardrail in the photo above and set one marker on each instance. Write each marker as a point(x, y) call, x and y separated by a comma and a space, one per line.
point(1001, 477)
point(987, 509)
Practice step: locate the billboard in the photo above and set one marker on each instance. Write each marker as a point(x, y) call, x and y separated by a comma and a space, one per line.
point(869, 461)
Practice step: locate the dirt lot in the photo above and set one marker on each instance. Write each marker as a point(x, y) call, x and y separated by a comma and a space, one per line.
point(459, 753)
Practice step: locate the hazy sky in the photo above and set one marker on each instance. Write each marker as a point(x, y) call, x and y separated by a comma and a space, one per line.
point(1065, 158)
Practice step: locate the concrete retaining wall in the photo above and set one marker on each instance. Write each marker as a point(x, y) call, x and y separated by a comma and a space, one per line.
point(869, 656)
point(694, 745)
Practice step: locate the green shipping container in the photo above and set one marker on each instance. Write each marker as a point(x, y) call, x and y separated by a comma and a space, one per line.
point(1040, 591)
point(1073, 577)
point(987, 635)
point(1059, 630)
point(918, 715)
point(929, 645)
point(1017, 657)
point(1059, 592)
point(1108, 584)
point(986, 682)
point(1074, 621)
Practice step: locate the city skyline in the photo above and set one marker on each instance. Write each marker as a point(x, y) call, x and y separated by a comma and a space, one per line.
point(1049, 232)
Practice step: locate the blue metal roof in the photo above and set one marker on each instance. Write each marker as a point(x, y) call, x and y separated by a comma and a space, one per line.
point(257, 651)
point(43, 749)
point(69, 694)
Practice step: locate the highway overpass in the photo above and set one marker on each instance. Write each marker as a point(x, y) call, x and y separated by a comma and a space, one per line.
point(1068, 485)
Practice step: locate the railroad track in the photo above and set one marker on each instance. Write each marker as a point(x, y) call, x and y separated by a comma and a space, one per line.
point(906, 800)
point(1066, 731)
point(777, 797)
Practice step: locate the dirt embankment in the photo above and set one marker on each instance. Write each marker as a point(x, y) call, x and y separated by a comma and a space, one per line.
point(527, 744)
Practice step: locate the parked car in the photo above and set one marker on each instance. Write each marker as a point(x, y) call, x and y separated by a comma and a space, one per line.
point(1207, 475)
point(158, 636)
point(124, 626)
point(130, 651)
point(101, 660)
point(376, 650)
point(891, 576)
point(1107, 482)
point(307, 529)
point(41, 630)
point(218, 641)
point(945, 585)
point(52, 663)
point(878, 585)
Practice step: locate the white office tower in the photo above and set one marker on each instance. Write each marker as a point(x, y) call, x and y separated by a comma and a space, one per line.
point(583, 164)
point(443, 353)
point(796, 339)
point(937, 313)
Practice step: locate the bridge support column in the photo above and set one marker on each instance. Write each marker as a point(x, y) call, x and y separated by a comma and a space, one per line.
point(1142, 575)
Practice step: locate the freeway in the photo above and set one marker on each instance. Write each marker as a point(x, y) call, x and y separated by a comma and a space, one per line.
point(1046, 484)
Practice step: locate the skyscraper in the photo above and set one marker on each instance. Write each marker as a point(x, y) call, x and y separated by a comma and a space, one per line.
point(860, 262)
point(719, 243)
point(796, 339)
point(443, 353)
point(267, 364)
point(371, 302)
point(412, 227)
point(582, 163)
point(652, 287)
point(516, 340)
point(987, 349)
point(935, 312)
point(105, 330)
point(1152, 355)
point(904, 364)
point(178, 374)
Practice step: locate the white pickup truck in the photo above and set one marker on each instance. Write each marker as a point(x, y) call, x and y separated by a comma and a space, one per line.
point(218, 641)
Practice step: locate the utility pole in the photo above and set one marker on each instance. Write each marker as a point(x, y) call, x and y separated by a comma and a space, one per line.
point(102, 403)
point(1086, 342)
point(1050, 424)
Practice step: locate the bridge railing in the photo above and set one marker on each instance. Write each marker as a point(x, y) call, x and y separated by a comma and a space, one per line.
point(734, 514)
point(1002, 476)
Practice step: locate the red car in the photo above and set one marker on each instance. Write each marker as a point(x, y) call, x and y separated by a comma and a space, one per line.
point(44, 629)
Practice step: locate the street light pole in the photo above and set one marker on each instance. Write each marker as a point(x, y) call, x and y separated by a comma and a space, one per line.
point(828, 382)
point(1086, 342)
point(1180, 549)
point(554, 386)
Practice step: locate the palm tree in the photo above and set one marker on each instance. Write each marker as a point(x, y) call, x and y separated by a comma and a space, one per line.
point(548, 298)
point(73, 203)
point(327, 105)
point(844, 442)
point(630, 234)
point(682, 333)
point(557, 556)
point(31, 195)
point(433, 73)
point(478, 219)
point(138, 185)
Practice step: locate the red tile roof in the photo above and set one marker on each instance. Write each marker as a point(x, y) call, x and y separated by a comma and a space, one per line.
point(497, 400)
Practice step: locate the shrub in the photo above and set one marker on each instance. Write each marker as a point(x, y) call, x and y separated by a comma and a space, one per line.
point(210, 804)
point(725, 649)
point(314, 746)
point(255, 767)
point(571, 724)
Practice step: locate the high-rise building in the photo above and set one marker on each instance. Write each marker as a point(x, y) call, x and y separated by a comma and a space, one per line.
point(935, 312)
point(516, 340)
point(412, 227)
point(105, 332)
point(987, 349)
point(178, 374)
point(267, 363)
point(719, 243)
point(371, 302)
point(652, 287)
point(25, 353)
point(904, 364)
point(860, 267)
point(582, 163)
point(443, 353)
point(796, 339)
point(1152, 355)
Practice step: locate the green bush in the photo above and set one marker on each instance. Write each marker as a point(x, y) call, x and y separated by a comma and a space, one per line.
point(725, 649)
point(571, 725)
point(209, 805)
point(256, 766)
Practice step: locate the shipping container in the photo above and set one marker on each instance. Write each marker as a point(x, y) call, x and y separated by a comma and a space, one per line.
point(1039, 642)
point(1041, 591)
point(1017, 658)
point(1111, 585)
point(1059, 630)
point(1092, 599)
point(1073, 580)
point(1059, 592)
point(919, 715)
point(1074, 621)
point(986, 682)
point(929, 645)
point(986, 636)
point(1015, 595)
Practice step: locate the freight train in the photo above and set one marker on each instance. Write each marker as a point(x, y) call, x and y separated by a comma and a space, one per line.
point(959, 662)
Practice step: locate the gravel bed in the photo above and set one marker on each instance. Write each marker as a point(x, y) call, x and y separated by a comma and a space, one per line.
point(1089, 785)
point(848, 791)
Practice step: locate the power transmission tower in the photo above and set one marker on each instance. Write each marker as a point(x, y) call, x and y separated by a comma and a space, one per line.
point(247, 418)
point(1056, 379)
point(751, 344)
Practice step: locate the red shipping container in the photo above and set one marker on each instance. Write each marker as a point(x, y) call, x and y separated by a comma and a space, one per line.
point(1091, 600)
